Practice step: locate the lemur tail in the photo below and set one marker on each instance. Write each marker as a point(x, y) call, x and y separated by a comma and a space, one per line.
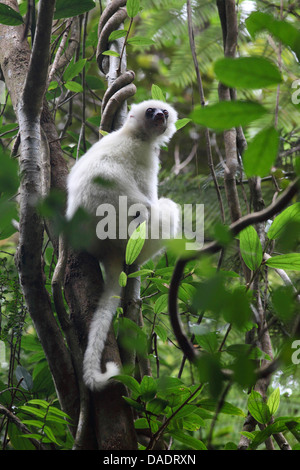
point(93, 377)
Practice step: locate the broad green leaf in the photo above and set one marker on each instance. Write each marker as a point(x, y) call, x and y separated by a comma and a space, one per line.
point(74, 86)
point(247, 72)
point(70, 8)
point(157, 405)
point(284, 31)
point(130, 382)
point(53, 85)
point(161, 332)
point(133, 8)
point(94, 83)
point(261, 436)
point(9, 16)
point(227, 408)
point(273, 401)
point(261, 153)
point(209, 341)
point(148, 388)
point(123, 279)
point(141, 423)
point(182, 123)
point(258, 408)
point(188, 440)
point(161, 304)
point(9, 130)
point(73, 70)
point(251, 249)
point(119, 33)
point(288, 261)
point(16, 439)
point(227, 114)
point(136, 405)
point(25, 376)
point(140, 41)
point(9, 177)
point(157, 93)
point(135, 243)
point(290, 214)
point(186, 410)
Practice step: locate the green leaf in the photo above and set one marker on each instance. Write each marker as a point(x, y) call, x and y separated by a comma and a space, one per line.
point(111, 53)
point(261, 153)
point(209, 341)
point(273, 401)
point(53, 85)
point(290, 214)
point(161, 304)
point(161, 332)
point(135, 243)
point(288, 261)
point(70, 8)
point(227, 114)
point(37, 401)
point(136, 405)
point(157, 93)
point(33, 422)
point(157, 405)
point(141, 423)
point(182, 123)
point(123, 279)
point(73, 70)
point(130, 383)
point(258, 408)
point(247, 72)
point(227, 408)
point(58, 412)
point(251, 249)
point(188, 441)
point(74, 86)
point(142, 272)
point(34, 411)
point(284, 31)
point(22, 373)
point(49, 433)
point(133, 8)
point(148, 388)
point(140, 41)
point(9, 16)
point(120, 33)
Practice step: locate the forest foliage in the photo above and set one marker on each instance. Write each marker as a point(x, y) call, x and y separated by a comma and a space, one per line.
point(238, 294)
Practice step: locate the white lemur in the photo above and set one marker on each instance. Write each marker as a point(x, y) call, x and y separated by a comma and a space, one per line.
point(123, 163)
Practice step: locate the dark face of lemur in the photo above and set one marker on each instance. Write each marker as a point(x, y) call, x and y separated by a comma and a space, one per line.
point(156, 120)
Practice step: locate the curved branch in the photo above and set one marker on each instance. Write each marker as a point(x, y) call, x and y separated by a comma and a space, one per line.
point(114, 105)
point(212, 248)
point(35, 83)
point(106, 28)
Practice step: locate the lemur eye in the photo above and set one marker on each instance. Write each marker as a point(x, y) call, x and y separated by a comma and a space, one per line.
point(149, 112)
point(166, 113)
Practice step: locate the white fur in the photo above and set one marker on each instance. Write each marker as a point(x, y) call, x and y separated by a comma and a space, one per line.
point(128, 158)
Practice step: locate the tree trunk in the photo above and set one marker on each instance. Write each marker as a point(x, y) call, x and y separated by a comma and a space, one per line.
point(105, 422)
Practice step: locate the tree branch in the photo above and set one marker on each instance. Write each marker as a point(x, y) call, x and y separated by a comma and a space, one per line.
point(211, 248)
